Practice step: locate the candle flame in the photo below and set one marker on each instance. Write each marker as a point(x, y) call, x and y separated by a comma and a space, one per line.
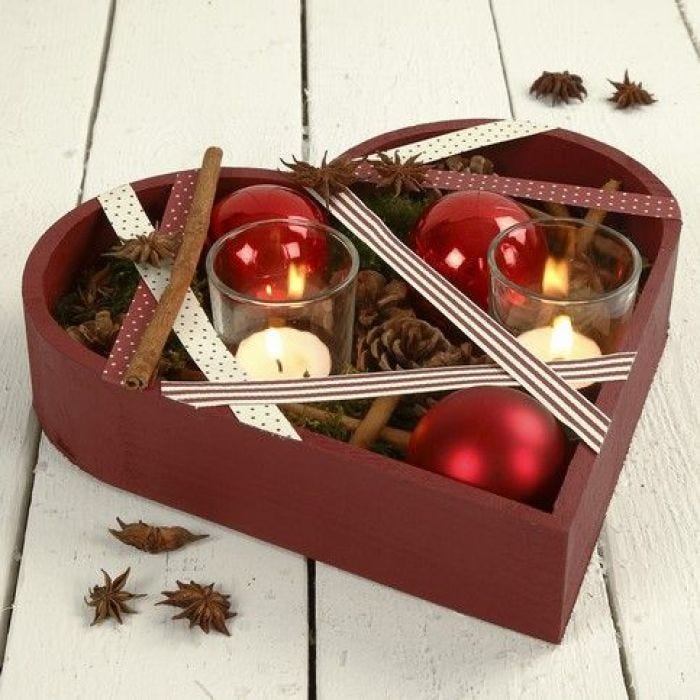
point(273, 343)
point(296, 281)
point(562, 342)
point(555, 280)
point(268, 290)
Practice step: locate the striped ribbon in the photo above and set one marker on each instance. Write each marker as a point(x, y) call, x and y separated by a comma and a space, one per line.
point(570, 407)
point(608, 368)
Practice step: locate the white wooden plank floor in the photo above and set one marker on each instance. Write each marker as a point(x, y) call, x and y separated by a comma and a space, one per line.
point(93, 93)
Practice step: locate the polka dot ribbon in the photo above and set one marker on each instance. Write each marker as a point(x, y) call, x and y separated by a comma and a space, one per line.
point(462, 140)
point(465, 140)
point(192, 326)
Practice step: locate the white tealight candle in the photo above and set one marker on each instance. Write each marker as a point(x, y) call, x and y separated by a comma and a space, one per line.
point(560, 342)
point(284, 353)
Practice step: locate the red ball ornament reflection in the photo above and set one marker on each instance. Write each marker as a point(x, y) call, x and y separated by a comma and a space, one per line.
point(257, 260)
point(260, 202)
point(495, 438)
point(274, 260)
point(453, 236)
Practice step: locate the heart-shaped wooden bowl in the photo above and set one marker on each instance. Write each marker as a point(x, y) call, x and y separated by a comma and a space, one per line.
point(417, 531)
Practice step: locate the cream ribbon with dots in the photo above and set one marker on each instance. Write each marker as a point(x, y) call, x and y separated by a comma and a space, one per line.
point(195, 332)
point(468, 139)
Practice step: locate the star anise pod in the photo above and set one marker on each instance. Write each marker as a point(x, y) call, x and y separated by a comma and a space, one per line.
point(92, 294)
point(628, 93)
point(202, 605)
point(152, 538)
point(97, 334)
point(560, 86)
point(152, 248)
point(110, 600)
point(408, 175)
point(97, 287)
point(327, 178)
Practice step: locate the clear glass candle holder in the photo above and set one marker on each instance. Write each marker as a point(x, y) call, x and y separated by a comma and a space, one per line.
point(283, 297)
point(565, 287)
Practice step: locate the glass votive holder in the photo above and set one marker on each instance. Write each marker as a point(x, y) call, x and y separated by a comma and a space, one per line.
point(566, 288)
point(283, 297)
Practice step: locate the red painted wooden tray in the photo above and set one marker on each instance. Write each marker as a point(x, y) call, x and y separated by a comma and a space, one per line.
point(414, 530)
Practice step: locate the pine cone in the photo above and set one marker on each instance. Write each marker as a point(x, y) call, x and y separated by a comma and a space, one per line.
point(404, 342)
point(378, 300)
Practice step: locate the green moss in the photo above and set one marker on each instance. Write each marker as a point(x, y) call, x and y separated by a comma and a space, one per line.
point(124, 278)
point(332, 428)
point(398, 213)
point(384, 448)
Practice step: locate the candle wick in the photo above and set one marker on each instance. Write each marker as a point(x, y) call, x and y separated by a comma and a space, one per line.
point(280, 369)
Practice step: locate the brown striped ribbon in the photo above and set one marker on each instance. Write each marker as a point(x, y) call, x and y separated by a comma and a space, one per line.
point(608, 368)
point(570, 407)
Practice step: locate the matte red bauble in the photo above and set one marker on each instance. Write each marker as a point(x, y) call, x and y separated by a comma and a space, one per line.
point(252, 256)
point(260, 202)
point(495, 438)
point(453, 236)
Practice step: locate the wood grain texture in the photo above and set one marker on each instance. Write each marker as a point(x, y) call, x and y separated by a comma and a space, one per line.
point(690, 13)
point(183, 76)
point(47, 59)
point(150, 655)
point(372, 641)
point(179, 77)
point(373, 69)
point(651, 542)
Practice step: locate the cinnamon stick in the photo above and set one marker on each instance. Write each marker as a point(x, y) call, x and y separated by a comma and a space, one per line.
point(374, 421)
point(148, 352)
point(394, 436)
point(593, 219)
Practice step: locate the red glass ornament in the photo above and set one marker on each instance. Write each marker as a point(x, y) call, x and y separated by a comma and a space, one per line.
point(255, 261)
point(453, 236)
point(274, 260)
point(495, 438)
point(260, 202)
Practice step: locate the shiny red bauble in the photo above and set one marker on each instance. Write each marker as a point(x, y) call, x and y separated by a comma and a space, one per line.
point(495, 438)
point(453, 236)
point(260, 202)
point(256, 256)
